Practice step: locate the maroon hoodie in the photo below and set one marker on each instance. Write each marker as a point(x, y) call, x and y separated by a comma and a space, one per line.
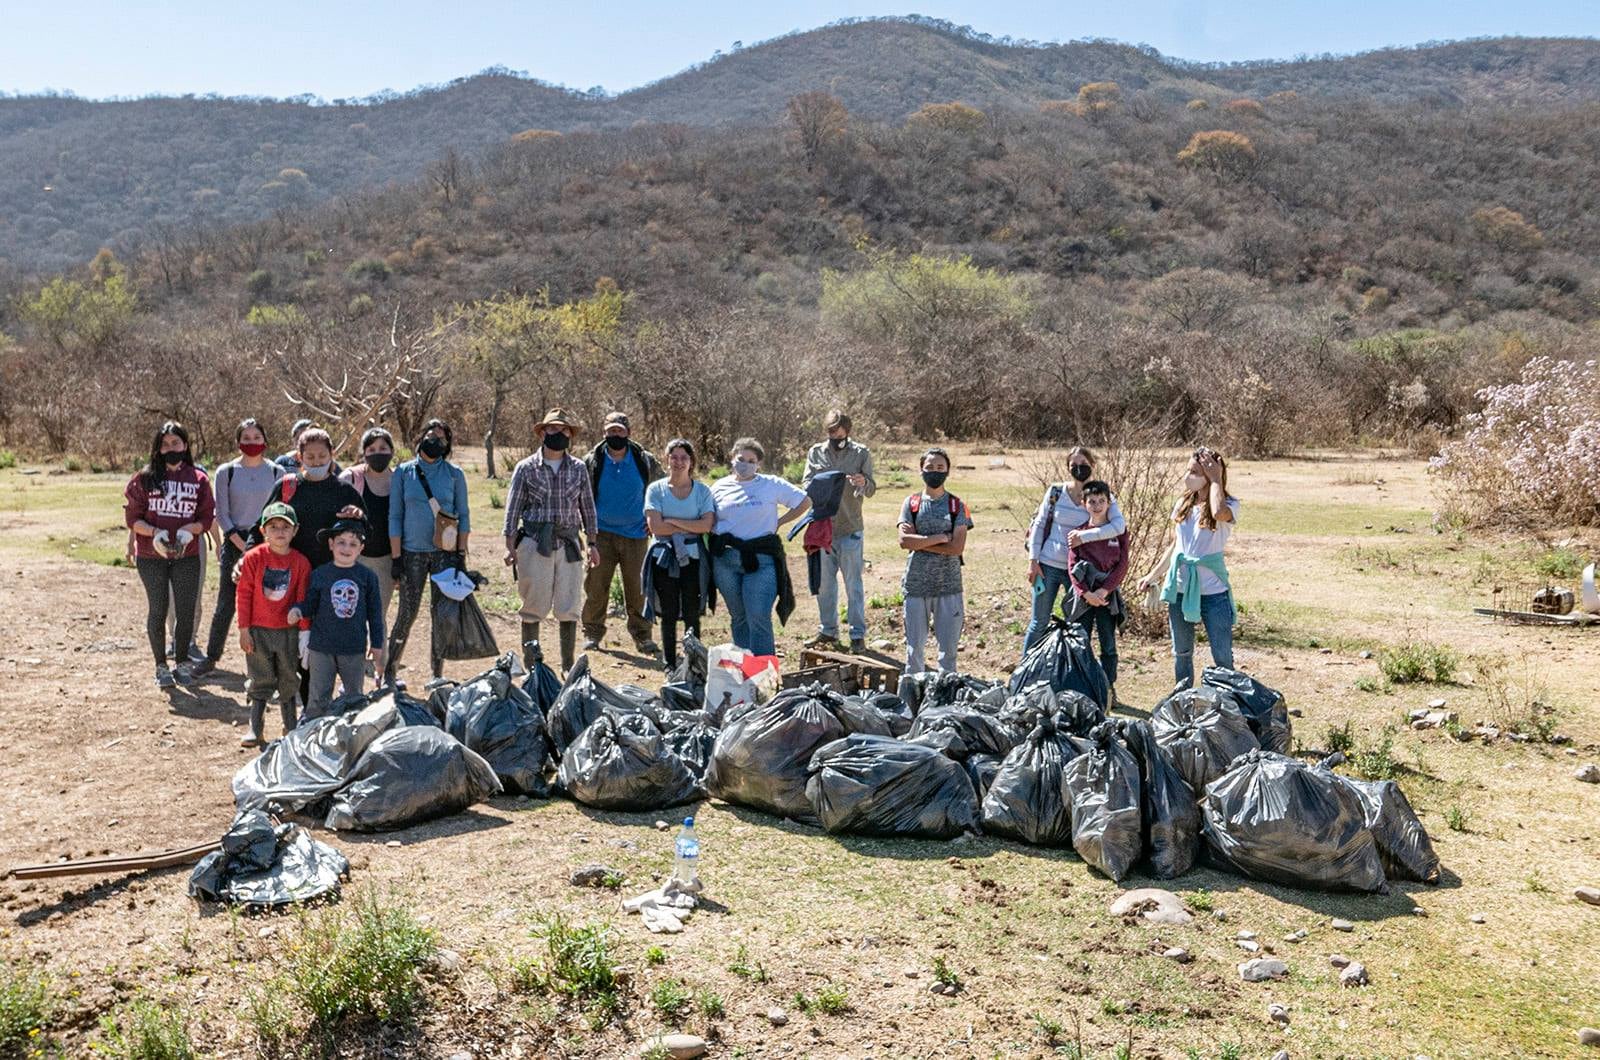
point(183, 496)
point(1109, 556)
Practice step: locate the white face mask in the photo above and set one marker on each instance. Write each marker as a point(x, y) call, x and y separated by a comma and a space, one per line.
point(745, 468)
point(315, 473)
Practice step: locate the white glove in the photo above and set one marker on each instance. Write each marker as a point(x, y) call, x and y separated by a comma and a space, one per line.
point(162, 543)
point(184, 537)
point(305, 648)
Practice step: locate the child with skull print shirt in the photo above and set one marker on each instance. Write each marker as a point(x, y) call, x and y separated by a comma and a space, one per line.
point(345, 608)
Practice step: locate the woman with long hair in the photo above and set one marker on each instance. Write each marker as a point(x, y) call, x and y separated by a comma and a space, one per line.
point(241, 487)
point(677, 574)
point(748, 563)
point(1061, 523)
point(168, 505)
point(1192, 572)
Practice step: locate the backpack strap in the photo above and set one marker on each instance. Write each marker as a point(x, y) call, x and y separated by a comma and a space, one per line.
point(291, 482)
point(916, 504)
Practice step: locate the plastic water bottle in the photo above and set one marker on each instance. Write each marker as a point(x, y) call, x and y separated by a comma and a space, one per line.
point(686, 865)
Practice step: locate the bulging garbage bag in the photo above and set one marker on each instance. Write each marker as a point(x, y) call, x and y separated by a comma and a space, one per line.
point(877, 785)
point(1028, 800)
point(1170, 814)
point(583, 699)
point(1072, 712)
point(1202, 731)
point(408, 775)
point(265, 863)
point(411, 711)
point(1403, 844)
point(691, 736)
point(761, 756)
point(981, 768)
point(622, 762)
point(499, 721)
point(933, 688)
point(1275, 818)
point(1063, 660)
point(311, 761)
point(1103, 783)
point(880, 714)
point(691, 668)
point(542, 684)
point(1261, 706)
point(460, 629)
point(961, 729)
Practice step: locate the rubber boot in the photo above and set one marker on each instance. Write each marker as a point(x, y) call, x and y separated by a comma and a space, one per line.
point(289, 713)
point(530, 644)
point(258, 721)
point(569, 645)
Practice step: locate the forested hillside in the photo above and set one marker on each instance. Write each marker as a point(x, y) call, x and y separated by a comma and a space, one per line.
point(77, 174)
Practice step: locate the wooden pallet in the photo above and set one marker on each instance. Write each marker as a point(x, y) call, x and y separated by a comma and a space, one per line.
point(843, 673)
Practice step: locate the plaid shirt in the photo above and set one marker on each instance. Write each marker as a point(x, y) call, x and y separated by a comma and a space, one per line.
point(563, 497)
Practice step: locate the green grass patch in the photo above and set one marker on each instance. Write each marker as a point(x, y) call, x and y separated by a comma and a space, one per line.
point(1311, 518)
point(579, 964)
point(1419, 662)
point(894, 599)
point(26, 1004)
point(1376, 761)
point(831, 1000)
point(1559, 564)
point(745, 968)
point(146, 1030)
point(8, 459)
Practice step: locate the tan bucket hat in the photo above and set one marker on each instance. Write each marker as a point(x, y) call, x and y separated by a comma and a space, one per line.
point(557, 417)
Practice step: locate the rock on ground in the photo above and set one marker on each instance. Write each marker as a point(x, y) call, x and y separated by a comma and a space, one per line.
point(1587, 894)
point(1260, 969)
point(1152, 905)
point(776, 1016)
point(1588, 1036)
point(677, 1046)
point(1355, 974)
point(593, 875)
point(1278, 1014)
point(1589, 773)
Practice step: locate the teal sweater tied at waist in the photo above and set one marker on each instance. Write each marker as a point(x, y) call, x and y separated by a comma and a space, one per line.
point(1183, 581)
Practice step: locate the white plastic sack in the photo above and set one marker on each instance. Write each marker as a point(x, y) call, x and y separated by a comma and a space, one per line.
point(727, 686)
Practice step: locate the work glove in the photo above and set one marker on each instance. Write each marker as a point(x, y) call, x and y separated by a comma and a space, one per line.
point(162, 543)
point(184, 538)
point(305, 649)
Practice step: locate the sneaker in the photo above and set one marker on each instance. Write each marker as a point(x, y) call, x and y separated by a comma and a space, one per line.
point(825, 641)
point(250, 739)
point(164, 678)
point(202, 667)
point(182, 674)
point(647, 647)
point(195, 654)
point(858, 646)
point(591, 643)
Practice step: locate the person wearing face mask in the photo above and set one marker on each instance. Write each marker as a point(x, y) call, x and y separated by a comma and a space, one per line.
point(242, 486)
point(290, 461)
point(371, 478)
point(620, 470)
point(1061, 522)
point(1192, 572)
point(846, 557)
point(317, 496)
point(429, 523)
point(933, 529)
point(747, 554)
point(168, 504)
point(549, 504)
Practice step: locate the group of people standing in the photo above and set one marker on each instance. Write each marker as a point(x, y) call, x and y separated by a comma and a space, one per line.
point(311, 555)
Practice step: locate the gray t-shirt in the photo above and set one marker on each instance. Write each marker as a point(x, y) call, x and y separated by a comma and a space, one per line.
point(241, 494)
point(929, 574)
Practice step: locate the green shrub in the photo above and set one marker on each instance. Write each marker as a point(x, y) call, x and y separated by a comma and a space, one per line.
point(359, 306)
point(358, 965)
point(1456, 818)
point(1337, 739)
point(671, 999)
point(1559, 564)
point(794, 470)
point(710, 1004)
point(145, 1030)
point(1376, 761)
point(275, 316)
point(655, 955)
point(8, 459)
point(894, 599)
point(831, 1000)
point(25, 1006)
point(374, 269)
point(1419, 661)
point(578, 964)
point(1201, 900)
point(943, 974)
point(742, 966)
point(258, 283)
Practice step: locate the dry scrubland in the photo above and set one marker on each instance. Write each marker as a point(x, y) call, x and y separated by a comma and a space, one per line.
point(1335, 555)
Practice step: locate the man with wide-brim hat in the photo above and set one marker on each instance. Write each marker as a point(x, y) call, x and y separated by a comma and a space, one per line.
point(549, 506)
point(620, 470)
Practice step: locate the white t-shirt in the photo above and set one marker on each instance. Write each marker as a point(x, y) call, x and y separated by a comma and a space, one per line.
point(749, 510)
point(1195, 540)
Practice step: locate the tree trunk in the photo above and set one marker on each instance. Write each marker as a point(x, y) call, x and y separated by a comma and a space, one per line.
point(488, 434)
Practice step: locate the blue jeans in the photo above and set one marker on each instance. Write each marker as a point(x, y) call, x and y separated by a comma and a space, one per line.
point(1216, 613)
point(845, 558)
point(1051, 580)
point(749, 599)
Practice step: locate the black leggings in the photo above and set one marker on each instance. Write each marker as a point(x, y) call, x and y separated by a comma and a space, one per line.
point(677, 599)
point(418, 573)
point(227, 601)
point(181, 577)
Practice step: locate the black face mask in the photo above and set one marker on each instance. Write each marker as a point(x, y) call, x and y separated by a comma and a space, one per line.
point(378, 461)
point(614, 442)
point(934, 479)
point(839, 443)
point(1081, 472)
point(556, 440)
point(172, 459)
point(433, 447)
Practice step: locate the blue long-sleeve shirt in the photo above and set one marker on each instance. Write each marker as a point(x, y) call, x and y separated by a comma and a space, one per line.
point(410, 518)
point(345, 609)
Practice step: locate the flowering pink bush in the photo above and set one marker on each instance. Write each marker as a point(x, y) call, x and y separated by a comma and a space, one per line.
point(1536, 443)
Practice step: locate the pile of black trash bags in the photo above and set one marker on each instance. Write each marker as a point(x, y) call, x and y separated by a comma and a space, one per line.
point(1034, 758)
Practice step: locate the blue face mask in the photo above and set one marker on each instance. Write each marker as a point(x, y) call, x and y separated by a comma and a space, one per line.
point(745, 468)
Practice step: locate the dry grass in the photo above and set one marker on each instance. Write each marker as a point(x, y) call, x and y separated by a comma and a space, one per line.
point(839, 920)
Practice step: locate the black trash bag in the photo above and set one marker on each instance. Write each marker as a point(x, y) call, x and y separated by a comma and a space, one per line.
point(499, 721)
point(880, 714)
point(348, 703)
point(542, 684)
point(412, 711)
point(981, 768)
point(263, 863)
point(622, 762)
point(761, 756)
point(1202, 731)
point(934, 688)
point(1063, 660)
point(583, 699)
point(1276, 818)
point(460, 630)
point(311, 762)
point(691, 737)
point(675, 696)
point(408, 775)
point(1103, 783)
point(1170, 814)
point(1261, 706)
point(962, 729)
point(877, 785)
point(1403, 844)
point(693, 661)
point(1072, 712)
point(1028, 800)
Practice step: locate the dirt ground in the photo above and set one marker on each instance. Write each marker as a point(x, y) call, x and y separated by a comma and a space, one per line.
point(1336, 555)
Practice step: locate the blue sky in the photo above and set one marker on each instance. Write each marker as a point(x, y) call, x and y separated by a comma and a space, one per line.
point(348, 48)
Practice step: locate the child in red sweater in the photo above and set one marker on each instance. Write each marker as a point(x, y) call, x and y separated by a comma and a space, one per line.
point(271, 580)
point(1097, 569)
